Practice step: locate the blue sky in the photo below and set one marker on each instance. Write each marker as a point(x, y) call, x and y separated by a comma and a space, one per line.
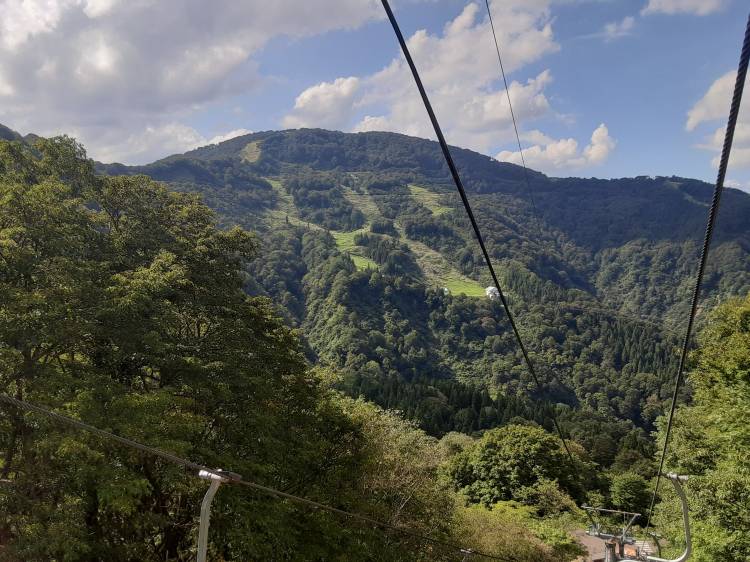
point(604, 88)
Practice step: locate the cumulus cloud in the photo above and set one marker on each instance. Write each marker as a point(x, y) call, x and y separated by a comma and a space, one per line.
point(696, 7)
point(738, 185)
point(715, 102)
point(474, 122)
point(552, 155)
point(618, 29)
point(228, 135)
point(461, 78)
point(99, 66)
point(713, 108)
point(328, 105)
point(156, 141)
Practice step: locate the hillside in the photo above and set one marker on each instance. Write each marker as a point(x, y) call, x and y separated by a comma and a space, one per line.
point(124, 303)
point(585, 234)
point(365, 247)
point(368, 250)
point(122, 306)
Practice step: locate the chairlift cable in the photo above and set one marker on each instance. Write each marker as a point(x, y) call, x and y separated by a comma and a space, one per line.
point(734, 110)
point(232, 478)
point(513, 118)
point(527, 181)
point(467, 206)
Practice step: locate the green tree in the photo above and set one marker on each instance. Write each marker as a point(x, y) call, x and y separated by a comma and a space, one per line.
point(629, 492)
point(122, 304)
point(507, 461)
point(711, 441)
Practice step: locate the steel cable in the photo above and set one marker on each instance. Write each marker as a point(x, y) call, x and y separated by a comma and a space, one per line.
point(234, 478)
point(734, 110)
point(467, 206)
point(530, 190)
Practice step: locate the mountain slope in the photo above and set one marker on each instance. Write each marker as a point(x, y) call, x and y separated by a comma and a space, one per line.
point(367, 249)
point(586, 234)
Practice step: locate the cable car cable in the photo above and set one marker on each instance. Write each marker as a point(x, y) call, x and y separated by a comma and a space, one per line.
point(462, 192)
point(734, 110)
point(529, 189)
point(513, 118)
point(234, 478)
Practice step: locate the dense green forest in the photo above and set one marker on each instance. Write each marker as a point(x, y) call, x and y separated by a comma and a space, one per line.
point(324, 330)
point(711, 440)
point(121, 303)
point(367, 250)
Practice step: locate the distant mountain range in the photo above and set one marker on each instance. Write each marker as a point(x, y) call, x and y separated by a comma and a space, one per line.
point(630, 242)
point(365, 246)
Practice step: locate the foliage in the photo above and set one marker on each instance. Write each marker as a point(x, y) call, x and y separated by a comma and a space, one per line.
point(491, 525)
point(596, 276)
point(121, 304)
point(711, 441)
point(320, 200)
point(519, 462)
point(629, 492)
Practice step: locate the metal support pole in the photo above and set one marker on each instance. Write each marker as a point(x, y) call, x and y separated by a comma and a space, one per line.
point(677, 483)
point(216, 481)
point(609, 551)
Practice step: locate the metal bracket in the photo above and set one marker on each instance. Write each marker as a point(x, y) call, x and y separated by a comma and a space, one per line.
point(216, 478)
point(677, 483)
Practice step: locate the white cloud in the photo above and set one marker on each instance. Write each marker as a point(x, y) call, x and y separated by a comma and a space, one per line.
point(739, 158)
point(475, 122)
point(328, 105)
point(714, 104)
point(157, 141)
point(372, 123)
point(22, 20)
point(738, 185)
point(97, 8)
point(552, 155)
point(696, 7)
point(112, 66)
point(460, 70)
point(618, 29)
point(228, 135)
point(713, 108)
point(536, 137)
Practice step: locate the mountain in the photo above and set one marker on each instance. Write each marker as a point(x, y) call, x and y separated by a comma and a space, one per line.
point(9, 134)
point(581, 234)
point(366, 248)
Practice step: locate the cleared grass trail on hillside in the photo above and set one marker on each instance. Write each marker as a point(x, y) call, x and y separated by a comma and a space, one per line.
point(435, 268)
point(286, 210)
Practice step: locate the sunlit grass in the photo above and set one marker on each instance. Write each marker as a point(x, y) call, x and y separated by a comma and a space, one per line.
point(429, 199)
point(345, 243)
point(464, 287)
point(362, 262)
point(251, 152)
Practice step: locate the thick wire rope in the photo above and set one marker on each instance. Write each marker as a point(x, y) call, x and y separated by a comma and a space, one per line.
point(529, 189)
point(235, 478)
point(472, 219)
point(734, 110)
point(513, 118)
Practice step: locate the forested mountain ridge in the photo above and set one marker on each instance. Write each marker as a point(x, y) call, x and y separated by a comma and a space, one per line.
point(123, 304)
point(587, 228)
point(367, 249)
